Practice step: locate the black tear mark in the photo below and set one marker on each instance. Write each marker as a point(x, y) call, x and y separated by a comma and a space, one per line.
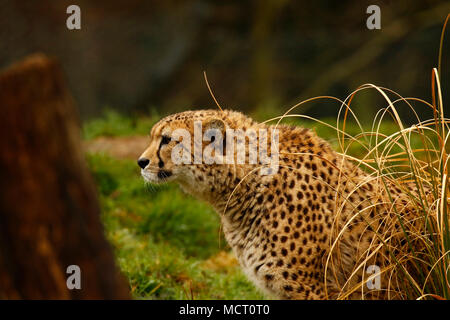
point(163, 142)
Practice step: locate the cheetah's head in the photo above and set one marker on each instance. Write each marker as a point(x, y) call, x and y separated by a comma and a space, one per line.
point(170, 155)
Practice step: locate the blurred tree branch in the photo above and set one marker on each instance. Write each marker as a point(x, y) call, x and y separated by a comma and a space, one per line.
point(369, 51)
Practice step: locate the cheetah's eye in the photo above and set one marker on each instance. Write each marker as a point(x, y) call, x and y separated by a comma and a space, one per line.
point(165, 140)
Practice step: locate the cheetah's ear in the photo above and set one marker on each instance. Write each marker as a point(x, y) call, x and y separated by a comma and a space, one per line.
point(214, 123)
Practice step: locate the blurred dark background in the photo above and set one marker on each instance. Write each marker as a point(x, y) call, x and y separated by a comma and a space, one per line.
point(136, 56)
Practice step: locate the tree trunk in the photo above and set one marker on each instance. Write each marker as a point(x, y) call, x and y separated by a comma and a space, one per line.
point(49, 213)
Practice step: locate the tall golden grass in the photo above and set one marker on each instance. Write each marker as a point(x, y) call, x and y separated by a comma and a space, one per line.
point(414, 157)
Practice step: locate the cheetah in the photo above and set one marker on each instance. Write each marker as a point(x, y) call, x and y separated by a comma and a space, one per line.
point(300, 232)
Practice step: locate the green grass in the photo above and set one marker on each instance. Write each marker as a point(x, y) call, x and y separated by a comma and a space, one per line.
point(163, 237)
point(112, 123)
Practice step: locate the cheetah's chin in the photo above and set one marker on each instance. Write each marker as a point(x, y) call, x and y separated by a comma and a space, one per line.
point(151, 177)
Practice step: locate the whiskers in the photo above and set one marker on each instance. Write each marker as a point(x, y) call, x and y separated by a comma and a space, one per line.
point(154, 176)
point(146, 175)
point(150, 187)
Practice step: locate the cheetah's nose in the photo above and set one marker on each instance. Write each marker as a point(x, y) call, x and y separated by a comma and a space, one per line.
point(143, 162)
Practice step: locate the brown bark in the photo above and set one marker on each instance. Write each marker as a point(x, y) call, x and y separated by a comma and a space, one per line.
point(49, 213)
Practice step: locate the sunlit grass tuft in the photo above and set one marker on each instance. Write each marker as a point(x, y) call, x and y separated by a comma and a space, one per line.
point(413, 159)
